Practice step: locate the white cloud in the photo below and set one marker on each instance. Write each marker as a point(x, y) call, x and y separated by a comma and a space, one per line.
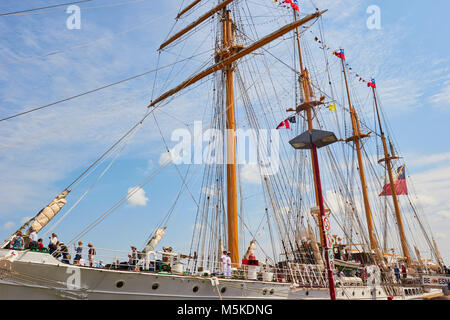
point(401, 92)
point(171, 156)
point(8, 225)
point(432, 187)
point(250, 174)
point(419, 160)
point(440, 235)
point(441, 99)
point(444, 214)
point(25, 219)
point(137, 197)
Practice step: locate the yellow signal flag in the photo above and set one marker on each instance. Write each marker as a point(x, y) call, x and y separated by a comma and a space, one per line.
point(332, 107)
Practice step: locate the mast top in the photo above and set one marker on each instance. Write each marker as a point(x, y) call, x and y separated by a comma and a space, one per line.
point(227, 61)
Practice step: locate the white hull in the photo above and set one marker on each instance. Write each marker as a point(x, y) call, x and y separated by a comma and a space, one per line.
point(33, 275)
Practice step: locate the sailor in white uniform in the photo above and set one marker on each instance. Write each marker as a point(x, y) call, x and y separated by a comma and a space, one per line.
point(224, 262)
point(228, 272)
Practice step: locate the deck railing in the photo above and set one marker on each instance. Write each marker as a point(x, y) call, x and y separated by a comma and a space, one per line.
point(301, 275)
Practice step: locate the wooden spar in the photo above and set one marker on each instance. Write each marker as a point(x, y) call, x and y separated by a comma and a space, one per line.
point(232, 207)
point(356, 139)
point(387, 160)
point(304, 82)
point(231, 53)
point(189, 7)
point(227, 61)
point(195, 23)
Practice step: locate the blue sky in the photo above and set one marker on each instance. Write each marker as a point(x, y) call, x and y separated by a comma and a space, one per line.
point(41, 153)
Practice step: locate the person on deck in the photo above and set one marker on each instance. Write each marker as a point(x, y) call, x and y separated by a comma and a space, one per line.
point(390, 274)
point(78, 251)
point(397, 273)
point(40, 244)
point(57, 252)
point(404, 272)
point(17, 241)
point(53, 243)
point(33, 239)
point(228, 272)
point(91, 254)
point(65, 253)
point(133, 258)
point(224, 262)
point(364, 275)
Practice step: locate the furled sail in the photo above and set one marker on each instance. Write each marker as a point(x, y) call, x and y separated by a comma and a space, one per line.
point(419, 259)
point(438, 255)
point(250, 250)
point(315, 247)
point(49, 212)
point(153, 242)
point(42, 218)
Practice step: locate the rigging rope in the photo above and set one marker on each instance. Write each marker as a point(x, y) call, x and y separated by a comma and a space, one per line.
point(97, 89)
point(42, 8)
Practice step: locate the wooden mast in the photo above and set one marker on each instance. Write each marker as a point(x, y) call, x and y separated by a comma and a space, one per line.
point(241, 53)
point(357, 136)
point(229, 53)
point(189, 7)
point(387, 159)
point(305, 84)
point(195, 23)
point(228, 47)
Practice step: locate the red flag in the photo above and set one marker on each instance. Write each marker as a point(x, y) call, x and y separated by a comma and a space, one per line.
point(372, 84)
point(399, 183)
point(339, 54)
point(293, 4)
point(284, 124)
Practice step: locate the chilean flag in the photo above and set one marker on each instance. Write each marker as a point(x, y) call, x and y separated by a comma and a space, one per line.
point(372, 84)
point(399, 182)
point(284, 124)
point(339, 54)
point(293, 3)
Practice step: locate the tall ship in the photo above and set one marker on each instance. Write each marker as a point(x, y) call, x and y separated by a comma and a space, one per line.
point(337, 218)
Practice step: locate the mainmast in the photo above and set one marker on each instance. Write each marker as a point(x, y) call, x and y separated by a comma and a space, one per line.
point(229, 48)
point(356, 138)
point(225, 58)
point(307, 106)
point(387, 159)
